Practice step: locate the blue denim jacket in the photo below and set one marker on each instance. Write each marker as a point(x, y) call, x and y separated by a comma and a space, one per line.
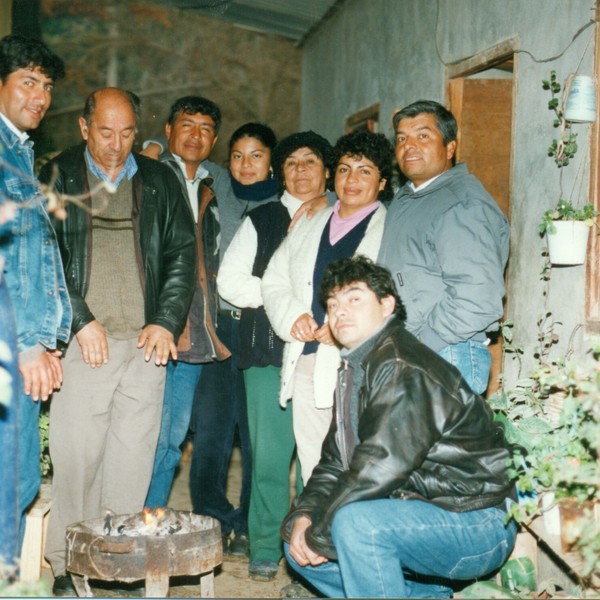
point(32, 264)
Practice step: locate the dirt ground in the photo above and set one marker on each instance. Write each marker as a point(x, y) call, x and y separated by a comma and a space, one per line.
point(231, 578)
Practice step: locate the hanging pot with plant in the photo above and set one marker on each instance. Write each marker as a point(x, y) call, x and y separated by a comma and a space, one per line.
point(567, 231)
point(567, 227)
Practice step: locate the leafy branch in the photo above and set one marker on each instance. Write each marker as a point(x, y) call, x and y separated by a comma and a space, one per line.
point(564, 148)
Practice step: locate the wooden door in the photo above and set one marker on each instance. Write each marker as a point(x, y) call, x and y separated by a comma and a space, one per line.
point(483, 110)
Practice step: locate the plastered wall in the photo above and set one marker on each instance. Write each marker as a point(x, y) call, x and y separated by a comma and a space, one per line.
point(397, 51)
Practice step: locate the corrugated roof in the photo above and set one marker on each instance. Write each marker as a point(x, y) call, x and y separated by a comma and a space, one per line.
point(291, 19)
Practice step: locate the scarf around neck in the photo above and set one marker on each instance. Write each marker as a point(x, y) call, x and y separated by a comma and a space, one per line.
point(254, 192)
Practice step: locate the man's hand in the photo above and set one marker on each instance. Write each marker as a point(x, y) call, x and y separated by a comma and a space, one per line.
point(159, 339)
point(93, 343)
point(304, 328)
point(323, 335)
point(299, 549)
point(152, 150)
point(54, 356)
point(310, 208)
point(41, 376)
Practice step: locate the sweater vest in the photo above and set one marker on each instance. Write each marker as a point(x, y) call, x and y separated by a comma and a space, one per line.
point(343, 248)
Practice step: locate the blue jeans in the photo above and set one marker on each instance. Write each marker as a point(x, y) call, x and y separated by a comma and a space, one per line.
point(219, 409)
point(472, 358)
point(9, 432)
point(30, 475)
point(409, 549)
point(180, 386)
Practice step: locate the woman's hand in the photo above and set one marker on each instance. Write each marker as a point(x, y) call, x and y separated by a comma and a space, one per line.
point(323, 335)
point(310, 208)
point(304, 328)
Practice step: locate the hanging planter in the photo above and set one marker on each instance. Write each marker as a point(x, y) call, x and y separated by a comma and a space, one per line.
point(567, 227)
point(567, 244)
point(567, 230)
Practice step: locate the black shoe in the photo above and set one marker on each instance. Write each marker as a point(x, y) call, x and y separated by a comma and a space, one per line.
point(262, 570)
point(239, 545)
point(63, 587)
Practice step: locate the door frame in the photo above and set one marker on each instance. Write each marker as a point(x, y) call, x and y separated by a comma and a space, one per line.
point(455, 76)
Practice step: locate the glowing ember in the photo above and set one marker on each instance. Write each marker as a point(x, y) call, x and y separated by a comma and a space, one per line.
point(151, 521)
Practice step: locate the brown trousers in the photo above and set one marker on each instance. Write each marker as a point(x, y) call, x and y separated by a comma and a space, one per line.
point(104, 426)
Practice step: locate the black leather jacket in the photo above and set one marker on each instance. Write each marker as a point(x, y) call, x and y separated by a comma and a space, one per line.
point(163, 228)
point(421, 434)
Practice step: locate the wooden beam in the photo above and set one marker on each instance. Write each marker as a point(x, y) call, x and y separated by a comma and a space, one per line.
point(592, 271)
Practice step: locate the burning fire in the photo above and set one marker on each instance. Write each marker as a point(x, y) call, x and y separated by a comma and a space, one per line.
point(151, 521)
point(152, 517)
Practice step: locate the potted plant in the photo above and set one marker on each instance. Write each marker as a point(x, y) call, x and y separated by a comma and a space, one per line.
point(567, 230)
point(566, 226)
point(552, 419)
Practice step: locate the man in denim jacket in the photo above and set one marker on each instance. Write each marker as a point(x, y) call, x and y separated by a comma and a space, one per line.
point(31, 270)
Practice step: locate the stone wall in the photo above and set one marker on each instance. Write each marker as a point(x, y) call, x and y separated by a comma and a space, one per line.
point(161, 54)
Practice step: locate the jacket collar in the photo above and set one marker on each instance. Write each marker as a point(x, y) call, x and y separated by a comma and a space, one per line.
point(205, 175)
point(9, 133)
point(457, 170)
point(356, 356)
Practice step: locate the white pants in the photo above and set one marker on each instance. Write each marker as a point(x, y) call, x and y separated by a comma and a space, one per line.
point(311, 424)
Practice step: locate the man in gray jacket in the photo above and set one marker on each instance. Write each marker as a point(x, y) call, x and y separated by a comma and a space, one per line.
point(445, 243)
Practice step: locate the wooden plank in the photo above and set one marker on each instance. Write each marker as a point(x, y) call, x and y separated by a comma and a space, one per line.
point(36, 522)
point(207, 585)
point(592, 271)
point(484, 59)
point(157, 568)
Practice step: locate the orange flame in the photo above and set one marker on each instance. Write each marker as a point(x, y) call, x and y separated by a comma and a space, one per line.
point(148, 517)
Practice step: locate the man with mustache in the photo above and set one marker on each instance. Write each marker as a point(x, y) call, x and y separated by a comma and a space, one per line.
point(445, 243)
point(129, 255)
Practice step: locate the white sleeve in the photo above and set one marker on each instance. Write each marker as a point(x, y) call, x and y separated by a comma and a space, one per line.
point(235, 281)
point(282, 305)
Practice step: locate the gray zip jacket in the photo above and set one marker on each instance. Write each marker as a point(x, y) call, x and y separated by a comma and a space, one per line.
point(446, 247)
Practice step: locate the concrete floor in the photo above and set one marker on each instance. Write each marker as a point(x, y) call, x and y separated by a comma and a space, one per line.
point(231, 578)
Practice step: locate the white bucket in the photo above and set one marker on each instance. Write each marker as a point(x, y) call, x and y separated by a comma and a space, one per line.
point(568, 245)
point(581, 101)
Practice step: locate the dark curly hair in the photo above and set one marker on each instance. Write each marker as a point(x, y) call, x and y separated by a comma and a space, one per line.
point(288, 145)
point(19, 52)
point(374, 146)
point(345, 271)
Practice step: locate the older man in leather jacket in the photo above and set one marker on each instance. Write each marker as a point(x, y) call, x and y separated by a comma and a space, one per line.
point(129, 253)
point(412, 488)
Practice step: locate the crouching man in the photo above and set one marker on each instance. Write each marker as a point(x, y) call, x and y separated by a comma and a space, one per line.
point(412, 489)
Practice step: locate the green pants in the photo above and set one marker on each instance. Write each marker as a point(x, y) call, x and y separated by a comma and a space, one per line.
point(272, 439)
